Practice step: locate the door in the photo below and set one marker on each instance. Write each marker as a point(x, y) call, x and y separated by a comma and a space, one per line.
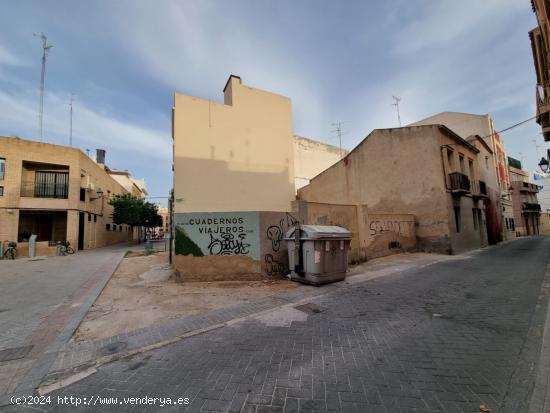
point(80, 231)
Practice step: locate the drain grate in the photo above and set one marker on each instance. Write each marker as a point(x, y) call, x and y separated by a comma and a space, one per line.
point(14, 353)
point(309, 308)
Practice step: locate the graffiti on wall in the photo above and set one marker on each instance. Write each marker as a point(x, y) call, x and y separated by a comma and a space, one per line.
point(404, 228)
point(223, 233)
point(228, 244)
point(275, 234)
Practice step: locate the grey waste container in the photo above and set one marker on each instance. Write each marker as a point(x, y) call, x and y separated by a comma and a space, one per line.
point(322, 254)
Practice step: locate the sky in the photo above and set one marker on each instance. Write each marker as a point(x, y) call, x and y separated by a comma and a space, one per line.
point(339, 61)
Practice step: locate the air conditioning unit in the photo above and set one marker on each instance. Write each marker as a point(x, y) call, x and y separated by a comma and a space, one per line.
point(90, 187)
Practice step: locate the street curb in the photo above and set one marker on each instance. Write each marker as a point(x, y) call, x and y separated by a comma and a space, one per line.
point(45, 360)
point(540, 398)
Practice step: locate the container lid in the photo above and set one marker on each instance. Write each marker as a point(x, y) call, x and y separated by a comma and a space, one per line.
point(319, 232)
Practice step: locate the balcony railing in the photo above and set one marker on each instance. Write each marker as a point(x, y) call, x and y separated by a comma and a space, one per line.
point(479, 189)
point(528, 187)
point(460, 183)
point(530, 206)
point(44, 190)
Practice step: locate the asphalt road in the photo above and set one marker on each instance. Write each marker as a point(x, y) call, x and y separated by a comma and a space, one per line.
point(448, 337)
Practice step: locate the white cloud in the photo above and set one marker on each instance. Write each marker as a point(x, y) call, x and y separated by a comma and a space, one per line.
point(19, 117)
point(441, 22)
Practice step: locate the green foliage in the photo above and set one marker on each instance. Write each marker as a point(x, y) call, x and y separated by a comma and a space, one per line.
point(134, 211)
point(514, 162)
point(185, 245)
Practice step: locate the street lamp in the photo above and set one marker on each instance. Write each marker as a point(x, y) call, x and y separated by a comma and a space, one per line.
point(543, 164)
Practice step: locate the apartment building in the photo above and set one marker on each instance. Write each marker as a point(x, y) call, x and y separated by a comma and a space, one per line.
point(540, 38)
point(57, 193)
point(136, 187)
point(499, 203)
point(527, 209)
point(429, 172)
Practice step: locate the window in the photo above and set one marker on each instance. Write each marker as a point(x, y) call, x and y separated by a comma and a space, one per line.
point(83, 194)
point(89, 217)
point(2, 168)
point(487, 162)
point(114, 227)
point(471, 168)
point(461, 162)
point(474, 215)
point(513, 224)
point(108, 227)
point(95, 218)
point(457, 218)
point(450, 160)
point(1, 191)
point(51, 185)
point(120, 228)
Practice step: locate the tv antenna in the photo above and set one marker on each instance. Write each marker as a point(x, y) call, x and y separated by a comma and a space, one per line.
point(71, 119)
point(45, 49)
point(396, 104)
point(339, 132)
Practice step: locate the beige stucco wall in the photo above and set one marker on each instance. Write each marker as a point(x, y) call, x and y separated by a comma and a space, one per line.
point(402, 171)
point(312, 157)
point(82, 170)
point(235, 156)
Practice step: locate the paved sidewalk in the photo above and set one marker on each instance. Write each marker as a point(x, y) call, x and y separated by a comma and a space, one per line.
point(44, 301)
point(78, 359)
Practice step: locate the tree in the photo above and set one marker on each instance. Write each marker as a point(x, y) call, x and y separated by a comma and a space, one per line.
point(134, 211)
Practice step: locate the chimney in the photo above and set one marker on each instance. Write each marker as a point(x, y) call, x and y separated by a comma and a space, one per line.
point(229, 89)
point(100, 156)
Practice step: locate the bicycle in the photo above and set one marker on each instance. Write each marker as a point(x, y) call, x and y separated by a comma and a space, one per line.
point(64, 248)
point(11, 251)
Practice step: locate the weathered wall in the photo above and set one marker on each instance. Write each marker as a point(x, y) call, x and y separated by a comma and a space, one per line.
point(390, 234)
point(373, 234)
point(236, 156)
point(545, 223)
point(231, 245)
point(346, 216)
point(311, 158)
point(403, 171)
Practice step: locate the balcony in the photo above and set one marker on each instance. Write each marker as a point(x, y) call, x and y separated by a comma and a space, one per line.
point(44, 190)
point(543, 108)
point(530, 207)
point(528, 187)
point(460, 183)
point(479, 190)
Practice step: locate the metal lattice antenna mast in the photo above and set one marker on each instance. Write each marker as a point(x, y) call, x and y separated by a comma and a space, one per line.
point(396, 104)
point(71, 122)
point(46, 48)
point(339, 132)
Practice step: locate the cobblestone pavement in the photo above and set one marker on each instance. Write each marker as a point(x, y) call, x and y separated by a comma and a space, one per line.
point(42, 301)
point(447, 337)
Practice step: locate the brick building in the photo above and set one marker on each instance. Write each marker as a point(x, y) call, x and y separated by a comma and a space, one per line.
point(57, 193)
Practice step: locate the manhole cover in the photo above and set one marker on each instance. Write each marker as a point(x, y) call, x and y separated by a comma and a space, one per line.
point(308, 308)
point(113, 348)
point(14, 353)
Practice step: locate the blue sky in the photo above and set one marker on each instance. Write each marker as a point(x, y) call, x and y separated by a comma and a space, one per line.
point(336, 60)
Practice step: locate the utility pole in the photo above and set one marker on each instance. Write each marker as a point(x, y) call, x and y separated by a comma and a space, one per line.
point(71, 122)
point(45, 49)
point(339, 132)
point(396, 104)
